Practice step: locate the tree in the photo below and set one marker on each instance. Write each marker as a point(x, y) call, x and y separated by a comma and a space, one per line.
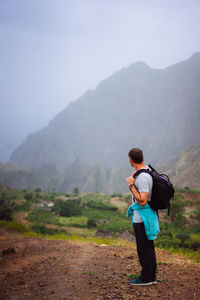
point(183, 236)
point(71, 208)
point(2, 199)
point(67, 208)
point(177, 207)
point(28, 196)
point(58, 204)
point(76, 191)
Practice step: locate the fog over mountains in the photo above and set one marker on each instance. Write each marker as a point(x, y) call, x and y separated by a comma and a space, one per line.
point(157, 110)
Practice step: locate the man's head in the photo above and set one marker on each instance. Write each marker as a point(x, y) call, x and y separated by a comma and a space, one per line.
point(136, 156)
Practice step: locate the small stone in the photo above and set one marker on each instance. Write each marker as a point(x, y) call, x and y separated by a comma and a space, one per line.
point(10, 250)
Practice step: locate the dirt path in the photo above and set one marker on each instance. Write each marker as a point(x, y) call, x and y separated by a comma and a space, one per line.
point(46, 269)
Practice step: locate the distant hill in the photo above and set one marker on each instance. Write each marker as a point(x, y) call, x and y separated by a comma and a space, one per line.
point(157, 110)
point(85, 177)
point(184, 171)
point(19, 178)
point(88, 178)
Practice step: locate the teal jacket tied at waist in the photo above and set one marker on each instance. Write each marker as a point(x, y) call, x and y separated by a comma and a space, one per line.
point(149, 217)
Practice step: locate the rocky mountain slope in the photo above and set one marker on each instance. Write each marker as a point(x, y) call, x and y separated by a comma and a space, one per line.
point(184, 171)
point(157, 110)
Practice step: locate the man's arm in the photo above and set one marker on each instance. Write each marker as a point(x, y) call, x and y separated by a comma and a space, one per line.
point(141, 197)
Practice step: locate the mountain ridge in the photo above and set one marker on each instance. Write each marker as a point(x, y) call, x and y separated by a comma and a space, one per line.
point(183, 171)
point(105, 123)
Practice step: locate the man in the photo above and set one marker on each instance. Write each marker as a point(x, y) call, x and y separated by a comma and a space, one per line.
point(141, 189)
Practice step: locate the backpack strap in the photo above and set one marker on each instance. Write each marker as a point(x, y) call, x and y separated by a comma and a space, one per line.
point(169, 206)
point(148, 172)
point(141, 171)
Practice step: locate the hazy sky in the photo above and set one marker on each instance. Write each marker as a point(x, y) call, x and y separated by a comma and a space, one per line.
point(52, 51)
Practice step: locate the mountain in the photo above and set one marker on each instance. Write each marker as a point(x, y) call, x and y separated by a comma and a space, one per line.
point(19, 178)
point(157, 110)
point(184, 171)
point(88, 178)
point(6, 149)
point(79, 174)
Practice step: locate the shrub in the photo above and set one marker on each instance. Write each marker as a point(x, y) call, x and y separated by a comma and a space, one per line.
point(195, 246)
point(186, 188)
point(57, 208)
point(166, 243)
point(183, 236)
point(6, 213)
point(39, 228)
point(177, 210)
point(101, 206)
point(166, 233)
point(67, 208)
point(180, 221)
point(2, 199)
point(116, 195)
point(70, 208)
point(91, 223)
point(28, 196)
point(16, 225)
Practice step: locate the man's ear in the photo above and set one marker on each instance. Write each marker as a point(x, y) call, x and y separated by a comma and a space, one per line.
point(131, 162)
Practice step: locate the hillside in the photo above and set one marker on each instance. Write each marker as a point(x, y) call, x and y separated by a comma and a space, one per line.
point(157, 110)
point(45, 248)
point(45, 269)
point(20, 178)
point(184, 171)
point(81, 175)
point(90, 178)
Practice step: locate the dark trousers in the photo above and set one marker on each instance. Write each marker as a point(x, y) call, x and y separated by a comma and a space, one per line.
point(146, 253)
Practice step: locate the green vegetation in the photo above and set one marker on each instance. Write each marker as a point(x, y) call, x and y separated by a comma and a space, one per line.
point(68, 208)
point(183, 236)
point(177, 208)
point(91, 223)
point(6, 213)
point(42, 229)
point(15, 225)
point(61, 216)
point(40, 215)
point(187, 189)
point(75, 191)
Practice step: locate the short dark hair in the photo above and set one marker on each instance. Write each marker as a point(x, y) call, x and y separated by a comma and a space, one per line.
point(136, 155)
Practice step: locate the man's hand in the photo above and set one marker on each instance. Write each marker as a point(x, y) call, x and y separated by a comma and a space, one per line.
point(130, 180)
point(141, 197)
